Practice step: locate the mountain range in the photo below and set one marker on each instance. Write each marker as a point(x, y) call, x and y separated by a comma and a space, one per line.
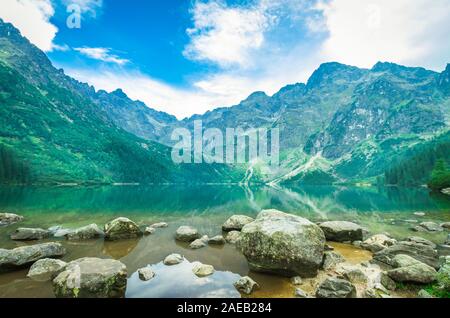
point(346, 124)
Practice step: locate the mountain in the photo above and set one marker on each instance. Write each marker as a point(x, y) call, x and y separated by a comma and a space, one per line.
point(55, 129)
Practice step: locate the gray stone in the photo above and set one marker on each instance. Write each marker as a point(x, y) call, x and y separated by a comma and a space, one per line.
point(149, 230)
point(297, 280)
point(353, 273)
point(420, 240)
point(300, 293)
point(199, 243)
point(46, 269)
point(387, 282)
point(431, 227)
point(233, 237)
point(377, 243)
point(236, 223)
point(91, 278)
point(202, 270)
point(9, 218)
point(121, 228)
point(411, 270)
point(342, 231)
point(159, 225)
point(336, 288)
point(246, 285)
point(22, 256)
point(146, 273)
point(186, 234)
point(446, 225)
point(217, 240)
point(331, 259)
point(282, 244)
point(173, 259)
point(419, 213)
point(423, 253)
point(27, 234)
point(88, 232)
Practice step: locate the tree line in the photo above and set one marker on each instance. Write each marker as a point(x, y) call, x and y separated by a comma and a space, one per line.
point(12, 169)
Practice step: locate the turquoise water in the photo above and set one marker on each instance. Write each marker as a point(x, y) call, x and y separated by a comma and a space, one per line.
point(380, 210)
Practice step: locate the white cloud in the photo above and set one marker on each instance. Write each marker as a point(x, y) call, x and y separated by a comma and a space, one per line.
point(86, 6)
point(101, 54)
point(32, 18)
point(411, 32)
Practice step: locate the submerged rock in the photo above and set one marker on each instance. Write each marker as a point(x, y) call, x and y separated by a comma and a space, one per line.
point(336, 288)
point(217, 240)
point(331, 259)
point(423, 253)
point(88, 232)
point(283, 244)
point(342, 231)
point(59, 231)
point(9, 218)
point(25, 255)
point(246, 285)
point(149, 230)
point(236, 223)
point(146, 273)
point(233, 237)
point(159, 225)
point(173, 259)
point(121, 228)
point(46, 269)
point(411, 270)
point(300, 293)
point(377, 243)
point(27, 234)
point(91, 278)
point(446, 225)
point(187, 234)
point(428, 227)
point(199, 243)
point(420, 240)
point(202, 270)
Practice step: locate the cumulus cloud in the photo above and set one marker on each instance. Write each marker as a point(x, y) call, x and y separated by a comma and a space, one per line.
point(101, 54)
point(86, 6)
point(32, 18)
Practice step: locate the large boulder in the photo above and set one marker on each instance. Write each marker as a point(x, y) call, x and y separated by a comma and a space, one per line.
point(421, 252)
point(91, 278)
point(342, 231)
point(336, 288)
point(283, 244)
point(187, 234)
point(27, 234)
point(122, 228)
point(9, 218)
point(88, 232)
point(236, 223)
point(26, 255)
point(377, 243)
point(410, 270)
point(46, 269)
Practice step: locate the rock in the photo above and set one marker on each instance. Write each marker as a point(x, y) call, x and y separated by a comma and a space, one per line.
point(331, 259)
point(430, 227)
point(202, 270)
point(121, 228)
point(88, 232)
point(412, 271)
point(46, 269)
point(420, 240)
point(445, 225)
point(443, 277)
point(233, 237)
point(419, 214)
point(336, 288)
point(446, 191)
point(27, 234)
point(357, 243)
point(246, 285)
point(282, 244)
point(149, 230)
point(424, 294)
point(186, 234)
point(25, 255)
point(159, 225)
point(146, 274)
point(236, 223)
point(377, 243)
point(341, 231)
point(387, 282)
point(9, 218)
point(199, 243)
point(353, 273)
point(300, 293)
point(91, 278)
point(420, 252)
point(58, 231)
point(217, 240)
point(328, 248)
point(297, 280)
point(173, 259)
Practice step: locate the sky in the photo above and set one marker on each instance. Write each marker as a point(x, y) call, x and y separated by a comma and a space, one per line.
point(186, 57)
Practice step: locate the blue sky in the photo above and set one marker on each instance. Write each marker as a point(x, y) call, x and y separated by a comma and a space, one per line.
point(190, 56)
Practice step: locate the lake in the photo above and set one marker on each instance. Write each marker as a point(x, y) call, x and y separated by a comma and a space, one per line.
point(380, 210)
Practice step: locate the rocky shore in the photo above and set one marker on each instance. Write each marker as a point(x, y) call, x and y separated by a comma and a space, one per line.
point(274, 243)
